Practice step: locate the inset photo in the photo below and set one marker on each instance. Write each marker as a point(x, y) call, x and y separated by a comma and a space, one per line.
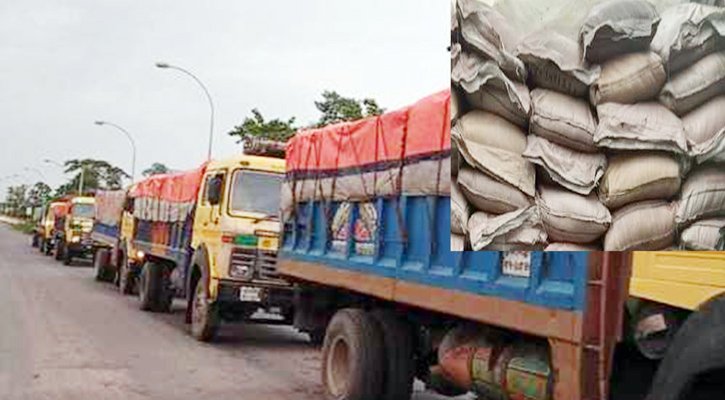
point(584, 125)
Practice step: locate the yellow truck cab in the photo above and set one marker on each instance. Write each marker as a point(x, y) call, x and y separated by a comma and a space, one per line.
point(235, 240)
point(217, 246)
point(45, 231)
point(75, 239)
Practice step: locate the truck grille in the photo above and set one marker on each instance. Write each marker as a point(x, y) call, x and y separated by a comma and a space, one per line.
point(264, 263)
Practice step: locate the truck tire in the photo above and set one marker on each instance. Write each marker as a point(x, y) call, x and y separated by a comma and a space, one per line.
point(150, 286)
point(697, 348)
point(41, 245)
point(59, 250)
point(352, 357)
point(126, 277)
point(399, 368)
point(67, 255)
point(205, 318)
point(35, 241)
point(100, 265)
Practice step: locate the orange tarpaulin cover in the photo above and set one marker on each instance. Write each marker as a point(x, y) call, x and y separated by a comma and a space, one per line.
point(418, 131)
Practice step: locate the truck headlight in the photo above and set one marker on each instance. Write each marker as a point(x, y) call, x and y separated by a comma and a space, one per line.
point(241, 271)
point(75, 239)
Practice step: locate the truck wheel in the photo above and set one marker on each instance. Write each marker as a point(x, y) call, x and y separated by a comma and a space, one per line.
point(100, 265)
point(126, 277)
point(205, 319)
point(67, 255)
point(697, 349)
point(41, 245)
point(59, 250)
point(34, 242)
point(149, 286)
point(352, 357)
point(399, 368)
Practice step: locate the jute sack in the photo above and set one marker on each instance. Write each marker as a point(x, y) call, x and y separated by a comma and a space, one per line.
point(486, 228)
point(646, 226)
point(576, 171)
point(616, 27)
point(642, 126)
point(487, 88)
point(705, 131)
point(493, 145)
point(570, 247)
point(569, 217)
point(702, 235)
point(455, 106)
point(695, 85)
point(458, 242)
point(635, 177)
point(703, 194)
point(490, 34)
point(459, 211)
point(554, 62)
point(490, 195)
point(629, 78)
point(562, 119)
point(687, 32)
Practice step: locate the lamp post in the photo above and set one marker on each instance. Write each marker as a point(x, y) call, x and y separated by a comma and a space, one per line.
point(164, 65)
point(31, 169)
point(130, 138)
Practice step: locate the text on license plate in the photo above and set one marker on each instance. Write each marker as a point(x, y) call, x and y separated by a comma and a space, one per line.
point(516, 263)
point(250, 294)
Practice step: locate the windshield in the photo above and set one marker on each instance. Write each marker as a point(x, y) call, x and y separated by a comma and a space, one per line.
point(254, 191)
point(82, 210)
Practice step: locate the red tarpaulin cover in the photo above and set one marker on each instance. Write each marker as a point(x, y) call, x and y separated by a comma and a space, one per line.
point(417, 131)
point(179, 187)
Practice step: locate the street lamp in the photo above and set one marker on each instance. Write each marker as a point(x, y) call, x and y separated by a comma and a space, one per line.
point(164, 65)
point(31, 169)
point(133, 144)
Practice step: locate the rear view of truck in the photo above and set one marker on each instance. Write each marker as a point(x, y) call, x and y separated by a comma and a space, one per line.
point(106, 234)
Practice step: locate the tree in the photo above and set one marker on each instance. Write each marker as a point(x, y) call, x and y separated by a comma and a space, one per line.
point(155, 169)
point(97, 174)
point(39, 194)
point(336, 108)
point(257, 127)
point(17, 199)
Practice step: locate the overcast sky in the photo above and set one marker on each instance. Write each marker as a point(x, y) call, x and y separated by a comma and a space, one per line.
point(66, 63)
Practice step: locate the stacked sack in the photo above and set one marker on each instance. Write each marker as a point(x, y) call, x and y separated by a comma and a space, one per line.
point(612, 142)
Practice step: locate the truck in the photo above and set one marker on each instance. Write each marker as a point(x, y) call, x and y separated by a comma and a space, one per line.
point(210, 236)
point(45, 231)
point(109, 235)
point(74, 239)
point(366, 220)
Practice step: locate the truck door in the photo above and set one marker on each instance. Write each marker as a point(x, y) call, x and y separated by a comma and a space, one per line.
point(208, 213)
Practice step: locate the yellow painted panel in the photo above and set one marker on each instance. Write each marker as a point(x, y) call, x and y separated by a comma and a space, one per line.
point(679, 278)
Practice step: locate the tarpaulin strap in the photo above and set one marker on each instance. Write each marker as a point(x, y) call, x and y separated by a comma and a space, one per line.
point(328, 208)
point(446, 117)
point(399, 190)
point(358, 164)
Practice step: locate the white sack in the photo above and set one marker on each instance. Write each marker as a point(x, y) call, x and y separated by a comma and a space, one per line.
point(562, 119)
point(569, 217)
point(643, 226)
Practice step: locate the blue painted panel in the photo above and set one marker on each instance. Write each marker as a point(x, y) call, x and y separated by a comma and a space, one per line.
point(411, 238)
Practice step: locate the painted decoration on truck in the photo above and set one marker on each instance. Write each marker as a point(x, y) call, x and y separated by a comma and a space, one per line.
point(365, 229)
point(339, 227)
point(516, 263)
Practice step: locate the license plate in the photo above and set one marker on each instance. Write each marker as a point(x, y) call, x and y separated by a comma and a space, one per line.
point(250, 294)
point(516, 263)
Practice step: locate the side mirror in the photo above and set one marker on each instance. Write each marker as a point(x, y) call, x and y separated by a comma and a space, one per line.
point(214, 193)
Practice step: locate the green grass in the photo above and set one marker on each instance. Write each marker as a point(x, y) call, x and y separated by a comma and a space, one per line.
point(26, 227)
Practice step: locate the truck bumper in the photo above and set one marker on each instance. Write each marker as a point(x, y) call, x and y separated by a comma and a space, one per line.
point(243, 292)
point(83, 249)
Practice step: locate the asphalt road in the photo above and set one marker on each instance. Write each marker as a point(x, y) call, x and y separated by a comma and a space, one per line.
point(64, 336)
